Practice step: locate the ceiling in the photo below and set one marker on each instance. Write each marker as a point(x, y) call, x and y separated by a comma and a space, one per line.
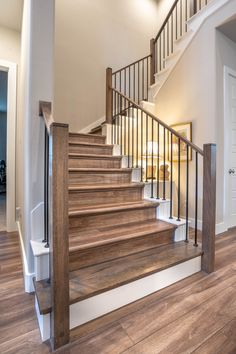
point(229, 28)
point(3, 91)
point(11, 14)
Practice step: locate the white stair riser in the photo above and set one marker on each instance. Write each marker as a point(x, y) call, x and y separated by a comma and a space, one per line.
point(99, 305)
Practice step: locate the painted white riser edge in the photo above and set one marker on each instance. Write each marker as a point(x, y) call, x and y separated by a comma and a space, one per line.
point(44, 323)
point(99, 305)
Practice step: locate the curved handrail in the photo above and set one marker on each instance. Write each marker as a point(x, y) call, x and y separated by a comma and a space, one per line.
point(166, 20)
point(167, 127)
point(45, 111)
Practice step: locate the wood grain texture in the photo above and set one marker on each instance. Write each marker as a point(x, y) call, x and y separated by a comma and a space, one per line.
point(94, 161)
point(209, 208)
point(86, 138)
point(140, 323)
point(82, 176)
point(58, 230)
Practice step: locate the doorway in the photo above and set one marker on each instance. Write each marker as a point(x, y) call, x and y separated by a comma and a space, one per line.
point(8, 70)
point(3, 148)
point(230, 146)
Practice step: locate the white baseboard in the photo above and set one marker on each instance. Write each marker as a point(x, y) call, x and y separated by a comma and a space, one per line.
point(220, 227)
point(93, 125)
point(28, 276)
point(99, 305)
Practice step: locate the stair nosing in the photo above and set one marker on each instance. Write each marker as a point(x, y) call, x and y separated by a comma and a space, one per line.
point(129, 206)
point(76, 155)
point(97, 169)
point(91, 144)
point(104, 186)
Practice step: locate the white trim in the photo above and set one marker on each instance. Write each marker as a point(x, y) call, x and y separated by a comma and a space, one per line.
point(93, 125)
point(11, 69)
point(28, 277)
point(227, 72)
point(220, 227)
point(99, 305)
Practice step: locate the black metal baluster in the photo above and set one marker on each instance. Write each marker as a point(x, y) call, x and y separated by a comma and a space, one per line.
point(160, 54)
point(196, 202)
point(172, 34)
point(168, 38)
point(137, 144)
point(187, 191)
point(45, 240)
point(132, 136)
point(152, 159)
point(121, 124)
point(141, 146)
point(186, 15)
point(147, 78)
point(134, 82)
point(138, 83)
point(164, 48)
point(146, 148)
point(158, 161)
point(129, 135)
point(171, 175)
point(125, 126)
point(178, 219)
point(129, 82)
point(115, 127)
point(164, 171)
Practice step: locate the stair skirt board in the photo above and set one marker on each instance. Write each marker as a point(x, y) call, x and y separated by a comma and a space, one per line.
point(99, 305)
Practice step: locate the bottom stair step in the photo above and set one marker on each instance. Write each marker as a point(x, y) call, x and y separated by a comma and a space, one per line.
point(100, 278)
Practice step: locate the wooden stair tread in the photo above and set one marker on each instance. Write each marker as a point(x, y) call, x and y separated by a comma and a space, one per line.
point(110, 208)
point(106, 235)
point(91, 144)
point(76, 155)
point(86, 187)
point(97, 169)
point(102, 277)
point(84, 134)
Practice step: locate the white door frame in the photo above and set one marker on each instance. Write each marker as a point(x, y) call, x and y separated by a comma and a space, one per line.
point(11, 69)
point(227, 73)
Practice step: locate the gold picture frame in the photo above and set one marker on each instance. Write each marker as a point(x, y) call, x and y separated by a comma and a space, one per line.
point(185, 130)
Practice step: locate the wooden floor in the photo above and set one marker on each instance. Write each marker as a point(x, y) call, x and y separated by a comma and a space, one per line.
point(197, 315)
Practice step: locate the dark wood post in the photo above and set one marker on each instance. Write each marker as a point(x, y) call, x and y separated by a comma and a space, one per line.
point(209, 207)
point(58, 229)
point(109, 103)
point(153, 60)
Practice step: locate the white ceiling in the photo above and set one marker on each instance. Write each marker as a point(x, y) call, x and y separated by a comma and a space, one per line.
point(3, 91)
point(229, 28)
point(11, 14)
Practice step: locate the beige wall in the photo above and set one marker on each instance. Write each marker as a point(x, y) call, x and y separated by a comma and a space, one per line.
point(9, 45)
point(194, 91)
point(90, 36)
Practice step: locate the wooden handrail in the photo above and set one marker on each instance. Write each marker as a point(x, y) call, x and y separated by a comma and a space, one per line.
point(166, 20)
point(45, 111)
point(167, 127)
point(128, 66)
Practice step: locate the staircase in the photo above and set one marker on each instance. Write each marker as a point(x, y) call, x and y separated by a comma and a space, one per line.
point(110, 245)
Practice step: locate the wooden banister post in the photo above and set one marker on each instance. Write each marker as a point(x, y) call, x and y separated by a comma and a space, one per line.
point(109, 102)
point(153, 60)
point(209, 207)
point(58, 229)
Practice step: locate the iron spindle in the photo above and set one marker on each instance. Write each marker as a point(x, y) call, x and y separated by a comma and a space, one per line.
point(152, 159)
point(196, 202)
point(158, 161)
point(141, 146)
point(178, 219)
point(187, 191)
point(146, 148)
point(171, 176)
point(164, 172)
point(132, 136)
point(137, 144)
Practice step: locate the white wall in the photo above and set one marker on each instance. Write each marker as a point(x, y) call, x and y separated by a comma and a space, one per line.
point(35, 85)
point(9, 45)
point(90, 36)
point(194, 90)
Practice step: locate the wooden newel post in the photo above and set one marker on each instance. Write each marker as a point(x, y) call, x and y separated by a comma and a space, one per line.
point(59, 236)
point(109, 102)
point(209, 207)
point(153, 60)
